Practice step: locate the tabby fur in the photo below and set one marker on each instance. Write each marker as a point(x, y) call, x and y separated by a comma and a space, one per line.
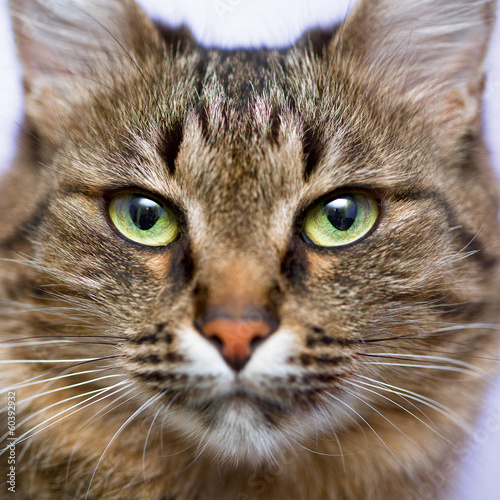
point(383, 348)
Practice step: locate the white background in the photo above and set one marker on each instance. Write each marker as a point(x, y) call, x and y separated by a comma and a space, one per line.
point(278, 22)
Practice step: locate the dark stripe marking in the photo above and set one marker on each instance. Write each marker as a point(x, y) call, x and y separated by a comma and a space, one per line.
point(312, 150)
point(170, 144)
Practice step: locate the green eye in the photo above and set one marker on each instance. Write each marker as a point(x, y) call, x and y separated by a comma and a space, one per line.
point(341, 220)
point(143, 220)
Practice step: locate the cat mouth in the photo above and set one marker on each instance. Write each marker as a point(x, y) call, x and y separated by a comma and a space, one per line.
point(213, 396)
point(241, 398)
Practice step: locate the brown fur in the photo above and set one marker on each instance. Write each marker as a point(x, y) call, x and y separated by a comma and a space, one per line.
point(241, 144)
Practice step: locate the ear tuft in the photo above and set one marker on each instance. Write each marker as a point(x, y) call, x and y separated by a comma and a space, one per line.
point(68, 48)
point(424, 47)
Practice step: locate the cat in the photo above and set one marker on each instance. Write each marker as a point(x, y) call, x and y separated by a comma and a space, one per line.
point(247, 274)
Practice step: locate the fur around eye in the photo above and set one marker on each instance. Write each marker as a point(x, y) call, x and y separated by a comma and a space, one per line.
point(341, 220)
point(143, 220)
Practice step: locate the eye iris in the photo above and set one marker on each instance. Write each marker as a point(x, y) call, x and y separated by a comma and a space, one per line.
point(143, 220)
point(341, 220)
point(144, 212)
point(341, 212)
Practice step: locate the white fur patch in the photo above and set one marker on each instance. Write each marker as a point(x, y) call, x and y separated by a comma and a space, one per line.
point(204, 357)
point(270, 358)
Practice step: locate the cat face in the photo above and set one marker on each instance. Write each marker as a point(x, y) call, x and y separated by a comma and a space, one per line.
point(270, 241)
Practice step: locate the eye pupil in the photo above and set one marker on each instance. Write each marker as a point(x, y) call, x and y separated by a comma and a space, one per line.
point(144, 212)
point(341, 212)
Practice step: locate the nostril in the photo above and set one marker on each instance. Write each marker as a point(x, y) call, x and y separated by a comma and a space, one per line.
point(256, 342)
point(217, 342)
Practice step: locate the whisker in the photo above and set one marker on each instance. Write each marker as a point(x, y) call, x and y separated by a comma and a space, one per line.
point(409, 402)
point(16, 350)
point(419, 398)
point(58, 389)
point(59, 338)
point(429, 367)
point(334, 432)
point(165, 410)
point(10, 345)
point(199, 450)
point(101, 410)
point(31, 432)
point(144, 406)
point(436, 350)
point(425, 357)
point(36, 361)
point(146, 443)
point(62, 369)
point(36, 380)
point(321, 454)
point(397, 404)
point(426, 334)
point(363, 400)
point(57, 403)
point(366, 423)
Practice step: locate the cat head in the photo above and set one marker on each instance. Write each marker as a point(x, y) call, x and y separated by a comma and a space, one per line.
point(260, 234)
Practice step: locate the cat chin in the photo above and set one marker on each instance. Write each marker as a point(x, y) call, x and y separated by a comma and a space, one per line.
point(239, 433)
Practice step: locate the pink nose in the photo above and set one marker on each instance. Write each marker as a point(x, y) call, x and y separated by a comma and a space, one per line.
point(236, 338)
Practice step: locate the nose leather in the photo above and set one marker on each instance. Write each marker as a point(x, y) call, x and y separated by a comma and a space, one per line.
point(236, 338)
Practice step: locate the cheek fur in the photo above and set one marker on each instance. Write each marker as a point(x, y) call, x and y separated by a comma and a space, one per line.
point(158, 266)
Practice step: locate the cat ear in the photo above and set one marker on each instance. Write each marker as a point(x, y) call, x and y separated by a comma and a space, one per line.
point(426, 47)
point(70, 48)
